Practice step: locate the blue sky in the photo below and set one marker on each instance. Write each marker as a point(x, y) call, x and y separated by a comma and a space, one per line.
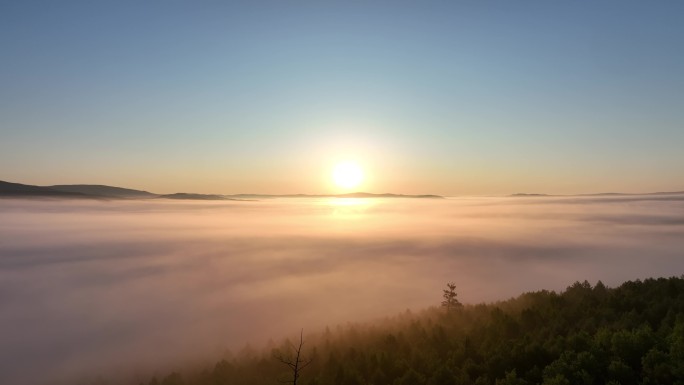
point(468, 97)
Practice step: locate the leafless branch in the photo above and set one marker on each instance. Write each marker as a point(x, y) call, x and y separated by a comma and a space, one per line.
point(296, 363)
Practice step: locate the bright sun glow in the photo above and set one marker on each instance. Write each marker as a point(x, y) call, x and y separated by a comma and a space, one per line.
point(347, 175)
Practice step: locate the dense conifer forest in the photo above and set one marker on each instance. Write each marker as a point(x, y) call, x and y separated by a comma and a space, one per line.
point(632, 334)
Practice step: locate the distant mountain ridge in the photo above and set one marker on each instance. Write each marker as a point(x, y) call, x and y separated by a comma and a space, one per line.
point(95, 191)
point(203, 197)
point(347, 195)
point(92, 191)
point(8, 189)
point(609, 194)
point(102, 190)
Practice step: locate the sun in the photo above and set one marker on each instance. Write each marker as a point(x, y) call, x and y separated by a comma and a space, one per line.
point(347, 174)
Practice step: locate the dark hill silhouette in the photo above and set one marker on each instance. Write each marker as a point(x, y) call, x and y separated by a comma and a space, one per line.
point(606, 194)
point(628, 194)
point(102, 190)
point(204, 197)
point(348, 195)
point(385, 195)
point(9, 189)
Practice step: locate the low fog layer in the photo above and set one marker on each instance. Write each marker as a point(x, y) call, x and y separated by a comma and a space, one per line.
point(134, 286)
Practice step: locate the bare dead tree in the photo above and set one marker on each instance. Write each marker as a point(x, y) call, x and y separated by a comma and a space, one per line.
point(293, 358)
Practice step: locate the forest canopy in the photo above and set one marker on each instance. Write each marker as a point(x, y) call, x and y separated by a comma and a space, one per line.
point(631, 334)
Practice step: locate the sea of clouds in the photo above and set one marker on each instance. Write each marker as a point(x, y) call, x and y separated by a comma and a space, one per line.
point(134, 287)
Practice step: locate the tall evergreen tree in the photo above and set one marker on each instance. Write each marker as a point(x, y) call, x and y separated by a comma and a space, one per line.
point(450, 302)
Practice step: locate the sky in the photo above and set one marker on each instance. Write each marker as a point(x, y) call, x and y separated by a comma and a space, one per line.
point(441, 97)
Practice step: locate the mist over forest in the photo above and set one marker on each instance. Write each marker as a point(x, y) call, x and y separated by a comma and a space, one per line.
point(112, 287)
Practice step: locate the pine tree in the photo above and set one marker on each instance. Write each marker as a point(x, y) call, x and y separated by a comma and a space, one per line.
point(450, 302)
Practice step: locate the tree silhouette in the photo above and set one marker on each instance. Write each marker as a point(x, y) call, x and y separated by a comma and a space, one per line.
point(293, 359)
point(450, 302)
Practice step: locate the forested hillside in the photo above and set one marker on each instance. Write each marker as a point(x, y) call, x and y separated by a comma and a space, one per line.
point(632, 334)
